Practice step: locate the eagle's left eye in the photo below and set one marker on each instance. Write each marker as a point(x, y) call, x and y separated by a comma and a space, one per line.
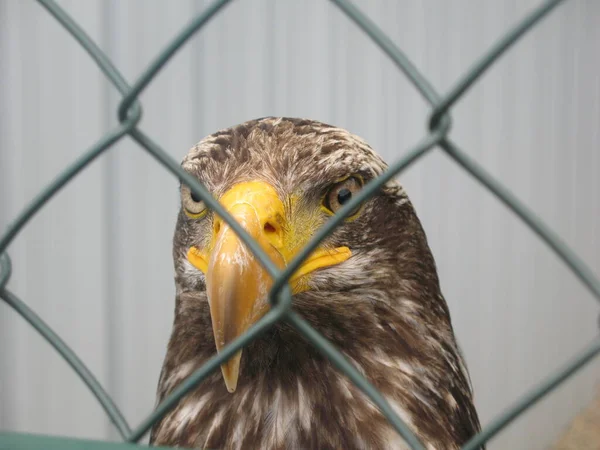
point(193, 206)
point(341, 193)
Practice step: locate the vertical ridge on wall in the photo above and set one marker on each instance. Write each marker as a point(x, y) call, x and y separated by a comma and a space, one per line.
point(111, 228)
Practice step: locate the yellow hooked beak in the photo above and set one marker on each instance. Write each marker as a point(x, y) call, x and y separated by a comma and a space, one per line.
point(236, 284)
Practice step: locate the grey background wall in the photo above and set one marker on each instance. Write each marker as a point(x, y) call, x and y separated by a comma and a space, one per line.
point(96, 261)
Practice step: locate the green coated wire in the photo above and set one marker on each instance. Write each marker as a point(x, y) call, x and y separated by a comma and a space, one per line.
point(130, 114)
point(164, 56)
point(342, 364)
point(71, 358)
point(184, 177)
point(40, 200)
point(560, 248)
point(384, 42)
point(321, 343)
point(168, 162)
point(569, 257)
point(528, 400)
point(281, 280)
point(5, 269)
point(21, 308)
point(367, 191)
point(212, 203)
point(120, 83)
point(266, 322)
point(99, 57)
point(112, 73)
point(105, 64)
point(441, 107)
point(492, 55)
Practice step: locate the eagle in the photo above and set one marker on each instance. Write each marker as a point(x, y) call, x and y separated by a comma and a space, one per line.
point(371, 288)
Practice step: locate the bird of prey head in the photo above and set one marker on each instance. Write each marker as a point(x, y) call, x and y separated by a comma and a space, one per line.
point(371, 288)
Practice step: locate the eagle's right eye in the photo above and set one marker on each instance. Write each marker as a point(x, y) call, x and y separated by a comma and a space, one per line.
point(341, 193)
point(195, 198)
point(193, 205)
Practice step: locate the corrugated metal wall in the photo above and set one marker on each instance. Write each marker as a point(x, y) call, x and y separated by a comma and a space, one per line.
point(96, 261)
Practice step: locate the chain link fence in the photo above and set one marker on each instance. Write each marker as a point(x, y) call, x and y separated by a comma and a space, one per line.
point(130, 114)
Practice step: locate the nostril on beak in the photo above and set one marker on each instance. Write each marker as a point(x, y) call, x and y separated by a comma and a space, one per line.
point(269, 228)
point(273, 233)
point(217, 226)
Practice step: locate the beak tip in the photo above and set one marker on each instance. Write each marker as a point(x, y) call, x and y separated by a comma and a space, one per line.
point(231, 372)
point(230, 384)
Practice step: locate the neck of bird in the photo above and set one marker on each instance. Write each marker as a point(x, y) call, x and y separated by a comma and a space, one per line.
point(285, 380)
